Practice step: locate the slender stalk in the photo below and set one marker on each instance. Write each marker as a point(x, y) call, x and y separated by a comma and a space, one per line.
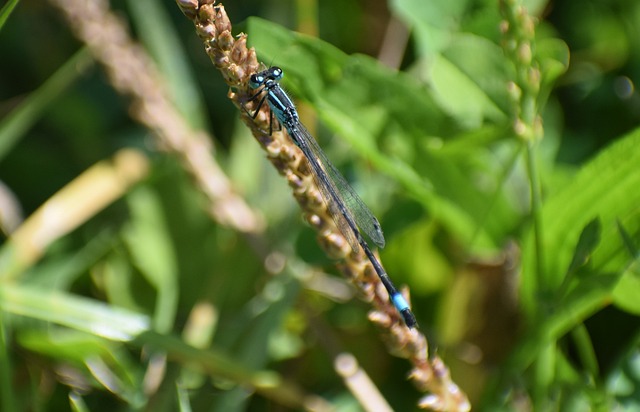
point(237, 63)
point(536, 212)
point(518, 29)
point(585, 350)
point(6, 390)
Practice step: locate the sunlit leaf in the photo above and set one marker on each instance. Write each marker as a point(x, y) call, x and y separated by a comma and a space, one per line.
point(72, 311)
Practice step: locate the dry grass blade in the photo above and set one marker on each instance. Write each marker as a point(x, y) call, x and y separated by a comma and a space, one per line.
point(132, 73)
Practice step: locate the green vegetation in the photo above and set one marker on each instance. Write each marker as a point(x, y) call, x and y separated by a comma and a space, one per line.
point(498, 147)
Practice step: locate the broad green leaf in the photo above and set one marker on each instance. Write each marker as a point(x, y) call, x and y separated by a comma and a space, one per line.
point(469, 79)
point(626, 293)
point(477, 181)
point(433, 22)
point(427, 271)
point(604, 188)
point(460, 96)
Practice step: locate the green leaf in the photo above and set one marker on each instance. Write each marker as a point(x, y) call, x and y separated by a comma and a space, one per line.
point(460, 96)
point(66, 344)
point(118, 279)
point(149, 241)
point(469, 80)
point(587, 297)
point(626, 293)
point(72, 311)
point(629, 244)
point(605, 187)
point(552, 55)
point(427, 271)
point(6, 11)
point(432, 22)
point(357, 85)
point(589, 240)
point(59, 271)
point(108, 365)
point(77, 403)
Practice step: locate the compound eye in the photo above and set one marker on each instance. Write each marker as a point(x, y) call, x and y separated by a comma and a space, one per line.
point(276, 72)
point(256, 80)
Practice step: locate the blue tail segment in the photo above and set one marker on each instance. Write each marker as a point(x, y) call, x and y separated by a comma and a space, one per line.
point(403, 307)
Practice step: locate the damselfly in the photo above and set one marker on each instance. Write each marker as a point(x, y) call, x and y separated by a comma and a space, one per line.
point(348, 211)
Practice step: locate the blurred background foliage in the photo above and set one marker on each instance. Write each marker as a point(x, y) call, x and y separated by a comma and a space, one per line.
point(409, 98)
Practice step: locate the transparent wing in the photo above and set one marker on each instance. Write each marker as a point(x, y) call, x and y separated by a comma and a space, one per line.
point(343, 202)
